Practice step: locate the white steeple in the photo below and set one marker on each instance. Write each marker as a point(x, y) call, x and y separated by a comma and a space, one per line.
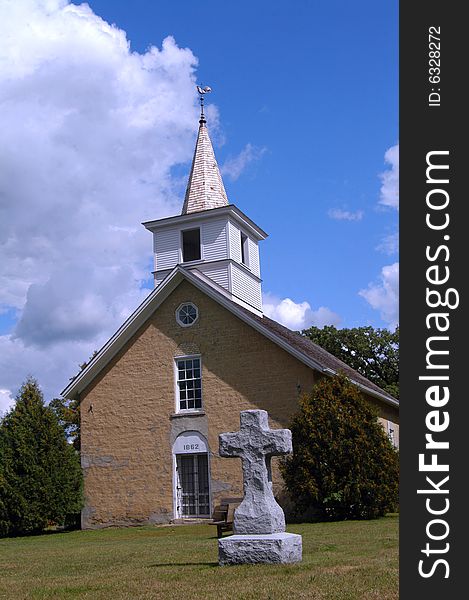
point(210, 236)
point(205, 187)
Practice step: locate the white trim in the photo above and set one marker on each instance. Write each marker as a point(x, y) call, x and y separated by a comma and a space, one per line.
point(230, 210)
point(230, 277)
point(228, 238)
point(175, 476)
point(179, 322)
point(179, 410)
point(181, 246)
point(244, 250)
point(365, 388)
point(197, 445)
point(175, 499)
point(221, 261)
point(226, 293)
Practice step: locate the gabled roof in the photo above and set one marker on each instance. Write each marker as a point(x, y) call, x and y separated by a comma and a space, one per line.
point(302, 348)
point(205, 188)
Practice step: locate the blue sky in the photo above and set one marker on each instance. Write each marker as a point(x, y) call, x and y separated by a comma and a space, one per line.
point(304, 109)
point(314, 84)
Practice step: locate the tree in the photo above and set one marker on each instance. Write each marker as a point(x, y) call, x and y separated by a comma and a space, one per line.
point(40, 474)
point(68, 411)
point(68, 416)
point(343, 465)
point(372, 352)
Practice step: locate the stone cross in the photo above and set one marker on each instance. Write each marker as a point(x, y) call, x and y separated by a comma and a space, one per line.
point(255, 444)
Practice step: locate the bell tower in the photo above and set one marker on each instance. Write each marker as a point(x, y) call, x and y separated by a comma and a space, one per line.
point(210, 236)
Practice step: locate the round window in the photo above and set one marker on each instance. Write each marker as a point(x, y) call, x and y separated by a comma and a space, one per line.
point(187, 314)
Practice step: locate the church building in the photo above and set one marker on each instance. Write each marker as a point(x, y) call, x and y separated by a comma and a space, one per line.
point(194, 354)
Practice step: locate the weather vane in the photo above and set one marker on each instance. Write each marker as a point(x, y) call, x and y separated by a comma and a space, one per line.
point(202, 91)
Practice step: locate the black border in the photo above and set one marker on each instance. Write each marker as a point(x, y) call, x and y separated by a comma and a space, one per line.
point(424, 128)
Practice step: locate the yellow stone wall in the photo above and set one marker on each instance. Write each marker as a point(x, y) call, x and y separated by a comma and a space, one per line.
point(128, 421)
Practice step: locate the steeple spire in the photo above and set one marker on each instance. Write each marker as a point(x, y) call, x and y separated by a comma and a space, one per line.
point(205, 188)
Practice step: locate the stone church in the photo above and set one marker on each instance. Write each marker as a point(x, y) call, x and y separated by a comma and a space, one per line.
point(194, 354)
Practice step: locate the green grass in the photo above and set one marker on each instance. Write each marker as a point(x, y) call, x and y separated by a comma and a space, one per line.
point(354, 560)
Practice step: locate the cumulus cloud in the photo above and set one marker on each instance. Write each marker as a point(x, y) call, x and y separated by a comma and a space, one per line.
point(234, 166)
point(297, 315)
point(345, 215)
point(384, 295)
point(90, 133)
point(6, 401)
point(389, 193)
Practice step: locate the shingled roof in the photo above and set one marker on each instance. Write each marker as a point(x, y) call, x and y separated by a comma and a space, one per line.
point(205, 188)
point(327, 360)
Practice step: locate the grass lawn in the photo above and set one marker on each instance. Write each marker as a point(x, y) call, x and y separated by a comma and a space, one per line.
point(341, 561)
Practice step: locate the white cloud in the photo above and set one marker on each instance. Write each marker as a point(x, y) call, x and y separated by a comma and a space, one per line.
point(389, 244)
point(234, 166)
point(384, 296)
point(389, 193)
point(90, 133)
point(6, 401)
point(345, 215)
point(297, 315)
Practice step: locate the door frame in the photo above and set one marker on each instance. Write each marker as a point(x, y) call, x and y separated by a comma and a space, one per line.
point(192, 437)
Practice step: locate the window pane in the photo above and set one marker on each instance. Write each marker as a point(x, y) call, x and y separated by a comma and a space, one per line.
point(191, 245)
point(189, 383)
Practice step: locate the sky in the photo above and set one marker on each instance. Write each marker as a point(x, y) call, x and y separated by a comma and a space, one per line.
point(99, 115)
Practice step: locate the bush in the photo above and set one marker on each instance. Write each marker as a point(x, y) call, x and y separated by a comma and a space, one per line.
point(40, 474)
point(343, 465)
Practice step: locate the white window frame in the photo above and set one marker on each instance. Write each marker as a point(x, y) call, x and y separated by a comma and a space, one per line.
point(179, 322)
point(176, 385)
point(244, 248)
point(181, 246)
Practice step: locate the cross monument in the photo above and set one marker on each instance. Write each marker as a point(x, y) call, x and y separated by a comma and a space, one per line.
point(255, 443)
point(259, 521)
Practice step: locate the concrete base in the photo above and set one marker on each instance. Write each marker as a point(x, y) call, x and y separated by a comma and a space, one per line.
point(268, 548)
